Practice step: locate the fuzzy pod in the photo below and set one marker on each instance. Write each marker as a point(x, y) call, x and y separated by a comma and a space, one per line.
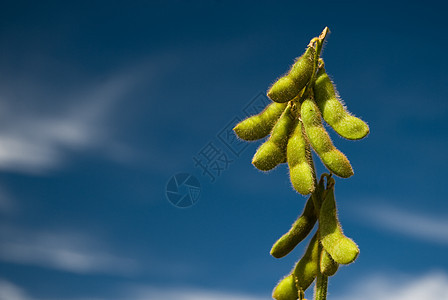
point(273, 151)
point(290, 85)
point(259, 126)
point(286, 289)
point(334, 112)
point(342, 249)
point(328, 266)
point(332, 158)
point(283, 90)
point(299, 230)
point(307, 267)
point(299, 161)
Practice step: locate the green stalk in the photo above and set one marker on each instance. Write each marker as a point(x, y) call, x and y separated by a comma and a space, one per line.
point(321, 280)
point(320, 292)
point(319, 43)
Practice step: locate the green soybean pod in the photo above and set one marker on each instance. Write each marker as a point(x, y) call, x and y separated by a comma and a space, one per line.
point(299, 230)
point(299, 161)
point(258, 126)
point(342, 249)
point(290, 85)
point(286, 289)
point(307, 267)
point(328, 266)
point(321, 142)
point(334, 112)
point(273, 151)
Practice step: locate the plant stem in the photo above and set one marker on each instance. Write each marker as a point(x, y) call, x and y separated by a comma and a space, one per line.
point(321, 280)
point(321, 287)
point(320, 291)
point(319, 41)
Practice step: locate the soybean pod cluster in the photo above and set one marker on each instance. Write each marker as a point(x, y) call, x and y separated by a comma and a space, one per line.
point(327, 249)
point(301, 100)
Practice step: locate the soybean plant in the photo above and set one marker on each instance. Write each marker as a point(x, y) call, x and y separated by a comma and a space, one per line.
point(301, 98)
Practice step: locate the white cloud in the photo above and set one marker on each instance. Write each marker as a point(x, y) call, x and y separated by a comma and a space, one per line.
point(146, 293)
point(10, 291)
point(35, 138)
point(64, 251)
point(430, 286)
point(418, 225)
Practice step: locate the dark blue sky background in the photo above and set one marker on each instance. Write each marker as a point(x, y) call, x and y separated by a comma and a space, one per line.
point(102, 102)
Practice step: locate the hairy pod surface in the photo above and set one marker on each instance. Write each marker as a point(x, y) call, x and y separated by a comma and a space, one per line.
point(299, 230)
point(307, 267)
point(273, 151)
point(284, 90)
point(299, 161)
point(286, 289)
point(342, 249)
point(259, 126)
point(332, 158)
point(290, 85)
point(328, 266)
point(334, 112)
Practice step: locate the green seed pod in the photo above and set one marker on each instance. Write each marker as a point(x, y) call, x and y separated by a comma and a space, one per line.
point(334, 112)
point(290, 85)
point(284, 90)
point(321, 142)
point(286, 289)
point(307, 267)
point(328, 266)
point(273, 151)
point(299, 161)
point(342, 249)
point(258, 126)
point(299, 230)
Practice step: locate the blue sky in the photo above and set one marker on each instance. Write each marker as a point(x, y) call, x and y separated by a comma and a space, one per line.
point(102, 102)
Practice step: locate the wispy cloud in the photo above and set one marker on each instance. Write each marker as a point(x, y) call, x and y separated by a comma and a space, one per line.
point(35, 138)
point(432, 228)
point(10, 291)
point(145, 293)
point(430, 286)
point(66, 251)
